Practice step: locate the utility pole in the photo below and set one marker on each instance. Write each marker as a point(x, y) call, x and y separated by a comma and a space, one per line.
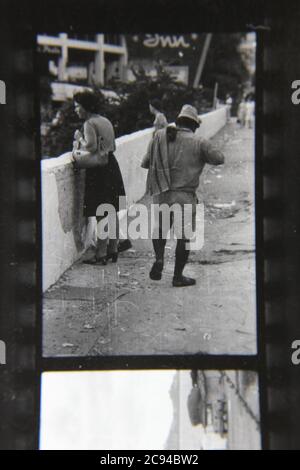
point(215, 100)
point(99, 60)
point(202, 60)
point(63, 60)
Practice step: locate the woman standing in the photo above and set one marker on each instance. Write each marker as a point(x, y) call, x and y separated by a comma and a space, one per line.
point(160, 120)
point(103, 184)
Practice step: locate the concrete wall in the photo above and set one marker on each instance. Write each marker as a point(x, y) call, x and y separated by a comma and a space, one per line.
point(130, 151)
point(62, 224)
point(65, 233)
point(243, 430)
point(212, 122)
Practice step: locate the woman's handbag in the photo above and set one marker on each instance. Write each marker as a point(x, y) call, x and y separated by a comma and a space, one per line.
point(85, 159)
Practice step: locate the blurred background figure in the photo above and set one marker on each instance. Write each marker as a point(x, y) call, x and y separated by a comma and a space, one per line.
point(241, 114)
point(249, 113)
point(228, 105)
point(160, 120)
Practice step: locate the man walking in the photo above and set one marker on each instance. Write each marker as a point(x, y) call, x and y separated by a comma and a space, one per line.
point(175, 158)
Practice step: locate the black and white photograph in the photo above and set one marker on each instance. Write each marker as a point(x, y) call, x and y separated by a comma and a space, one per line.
point(139, 124)
point(149, 228)
point(172, 120)
point(154, 409)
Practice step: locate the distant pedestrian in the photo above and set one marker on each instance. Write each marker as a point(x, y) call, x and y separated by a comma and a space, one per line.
point(228, 106)
point(242, 113)
point(176, 157)
point(249, 113)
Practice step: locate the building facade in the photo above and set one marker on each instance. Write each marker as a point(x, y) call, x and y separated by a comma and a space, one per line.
point(92, 59)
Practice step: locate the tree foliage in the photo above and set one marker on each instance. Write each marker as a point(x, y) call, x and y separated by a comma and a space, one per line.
point(130, 113)
point(226, 66)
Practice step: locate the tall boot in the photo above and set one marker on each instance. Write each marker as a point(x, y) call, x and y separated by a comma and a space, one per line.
point(181, 257)
point(158, 266)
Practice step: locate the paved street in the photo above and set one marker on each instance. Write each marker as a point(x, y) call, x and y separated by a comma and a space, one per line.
point(117, 310)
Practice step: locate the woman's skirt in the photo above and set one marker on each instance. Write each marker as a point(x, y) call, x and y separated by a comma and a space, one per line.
point(103, 185)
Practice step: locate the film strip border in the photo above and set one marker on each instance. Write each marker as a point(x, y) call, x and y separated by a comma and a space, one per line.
point(20, 322)
point(20, 241)
point(280, 324)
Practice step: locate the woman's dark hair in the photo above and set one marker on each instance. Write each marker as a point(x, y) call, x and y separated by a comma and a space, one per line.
point(88, 100)
point(156, 104)
point(187, 122)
